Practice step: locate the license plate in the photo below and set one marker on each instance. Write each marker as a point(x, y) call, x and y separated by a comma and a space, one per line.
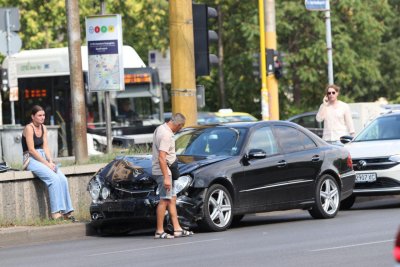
point(365, 177)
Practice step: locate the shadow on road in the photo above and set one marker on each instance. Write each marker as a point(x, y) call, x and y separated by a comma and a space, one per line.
point(273, 218)
point(371, 203)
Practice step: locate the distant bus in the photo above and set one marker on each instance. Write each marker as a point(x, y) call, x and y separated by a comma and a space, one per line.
point(44, 79)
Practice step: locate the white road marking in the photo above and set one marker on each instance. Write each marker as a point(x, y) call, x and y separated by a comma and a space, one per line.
point(355, 245)
point(147, 248)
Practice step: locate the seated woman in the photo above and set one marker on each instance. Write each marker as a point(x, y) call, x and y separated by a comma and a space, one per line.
point(36, 150)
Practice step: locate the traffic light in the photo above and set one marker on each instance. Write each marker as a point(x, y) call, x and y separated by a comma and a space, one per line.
point(202, 36)
point(256, 65)
point(275, 63)
point(278, 67)
point(4, 79)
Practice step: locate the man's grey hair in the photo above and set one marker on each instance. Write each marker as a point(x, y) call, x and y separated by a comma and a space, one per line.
point(178, 118)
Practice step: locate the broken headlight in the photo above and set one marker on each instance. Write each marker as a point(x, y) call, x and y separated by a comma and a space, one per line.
point(182, 183)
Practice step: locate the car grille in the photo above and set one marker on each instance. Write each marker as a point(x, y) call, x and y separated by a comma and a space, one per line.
point(373, 164)
point(379, 183)
point(119, 193)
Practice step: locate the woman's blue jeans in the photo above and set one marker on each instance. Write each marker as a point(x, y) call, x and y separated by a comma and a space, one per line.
point(57, 183)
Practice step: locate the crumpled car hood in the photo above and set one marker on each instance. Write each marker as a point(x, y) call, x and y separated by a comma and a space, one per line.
point(128, 171)
point(373, 149)
point(188, 164)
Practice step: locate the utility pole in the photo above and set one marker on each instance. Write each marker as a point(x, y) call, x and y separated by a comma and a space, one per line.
point(107, 100)
point(10, 59)
point(222, 100)
point(324, 5)
point(329, 42)
point(183, 83)
point(76, 81)
point(270, 39)
point(264, 91)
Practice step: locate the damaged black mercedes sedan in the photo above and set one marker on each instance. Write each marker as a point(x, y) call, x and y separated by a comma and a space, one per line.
point(228, 171)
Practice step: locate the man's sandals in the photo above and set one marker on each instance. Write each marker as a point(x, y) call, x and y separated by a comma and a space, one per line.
point(163, 235)
point(183, 233)
point(178, 233)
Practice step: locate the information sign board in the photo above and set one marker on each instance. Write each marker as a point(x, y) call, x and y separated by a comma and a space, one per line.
point(317, 5)
point(104, 42)
point(13, 19)
point(12, 79)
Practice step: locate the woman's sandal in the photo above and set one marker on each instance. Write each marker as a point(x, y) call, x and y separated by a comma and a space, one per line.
point(163, 235)
point(183, 233)
point(69, 217)
point(57, 216)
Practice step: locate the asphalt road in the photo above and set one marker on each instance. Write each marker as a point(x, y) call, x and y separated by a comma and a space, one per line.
point(363, 236)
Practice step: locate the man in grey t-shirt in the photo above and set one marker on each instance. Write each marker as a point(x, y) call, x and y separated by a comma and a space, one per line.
point(164, 155)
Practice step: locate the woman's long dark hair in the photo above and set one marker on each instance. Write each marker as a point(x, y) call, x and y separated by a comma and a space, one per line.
point(36, 109)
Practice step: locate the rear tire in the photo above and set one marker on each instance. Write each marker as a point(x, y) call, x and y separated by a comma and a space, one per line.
point(217, 209)
point(327, 198)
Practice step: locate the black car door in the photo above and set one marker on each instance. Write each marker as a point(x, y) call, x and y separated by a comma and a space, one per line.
point(256, 186)
point(303, 161)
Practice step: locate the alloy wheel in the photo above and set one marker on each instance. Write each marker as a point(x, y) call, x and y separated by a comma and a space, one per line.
point(329, 194)
point(219, 206)
point(217, 209)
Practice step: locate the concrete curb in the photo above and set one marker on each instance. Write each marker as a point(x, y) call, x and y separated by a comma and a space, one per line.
point(23, 235)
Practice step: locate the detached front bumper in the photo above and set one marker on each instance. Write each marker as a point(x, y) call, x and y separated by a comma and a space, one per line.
point(138, 210)
point(123, 210)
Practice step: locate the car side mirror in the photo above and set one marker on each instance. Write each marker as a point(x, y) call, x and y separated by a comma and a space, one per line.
point(346, 139)
point(257, 154)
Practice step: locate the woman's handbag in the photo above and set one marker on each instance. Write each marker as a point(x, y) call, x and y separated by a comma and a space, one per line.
point(174, 170)
point(25, 161)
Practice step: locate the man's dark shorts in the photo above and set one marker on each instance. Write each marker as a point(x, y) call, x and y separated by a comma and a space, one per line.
point(164, 194)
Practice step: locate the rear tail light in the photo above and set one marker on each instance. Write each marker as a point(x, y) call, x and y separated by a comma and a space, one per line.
point(396, 250)
point(349, 162)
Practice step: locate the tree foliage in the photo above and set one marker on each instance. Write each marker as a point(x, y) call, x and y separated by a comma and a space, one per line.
point(365, 37)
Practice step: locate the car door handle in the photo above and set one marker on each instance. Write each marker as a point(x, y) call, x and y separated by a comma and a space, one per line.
point(315, 158)
point(282, 164)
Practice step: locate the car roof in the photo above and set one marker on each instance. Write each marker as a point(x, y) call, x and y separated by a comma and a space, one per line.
point(252, 124)
point(246, 124)
point(308, 113)
point(233, 113)
point(391, 113)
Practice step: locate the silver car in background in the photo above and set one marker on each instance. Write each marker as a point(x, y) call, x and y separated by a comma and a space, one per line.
point(376, 158)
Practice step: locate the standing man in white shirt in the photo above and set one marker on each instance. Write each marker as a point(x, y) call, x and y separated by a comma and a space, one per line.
point(336, 116)
point(164, 155)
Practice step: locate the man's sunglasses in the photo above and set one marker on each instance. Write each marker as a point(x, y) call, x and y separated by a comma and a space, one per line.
point(331, 93)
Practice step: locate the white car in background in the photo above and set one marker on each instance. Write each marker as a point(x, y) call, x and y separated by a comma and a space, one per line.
point(375, 152)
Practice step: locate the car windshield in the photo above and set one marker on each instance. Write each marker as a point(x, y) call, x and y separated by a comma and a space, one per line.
point(210, 141)
point(383, 128)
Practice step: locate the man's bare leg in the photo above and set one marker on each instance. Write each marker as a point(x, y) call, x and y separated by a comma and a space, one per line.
point(161, 208)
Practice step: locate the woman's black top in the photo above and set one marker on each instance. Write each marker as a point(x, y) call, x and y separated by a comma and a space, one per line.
point(37, 141)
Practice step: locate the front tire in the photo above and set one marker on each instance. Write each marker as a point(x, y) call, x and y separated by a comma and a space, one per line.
point(217, 209)
point(327, 198)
